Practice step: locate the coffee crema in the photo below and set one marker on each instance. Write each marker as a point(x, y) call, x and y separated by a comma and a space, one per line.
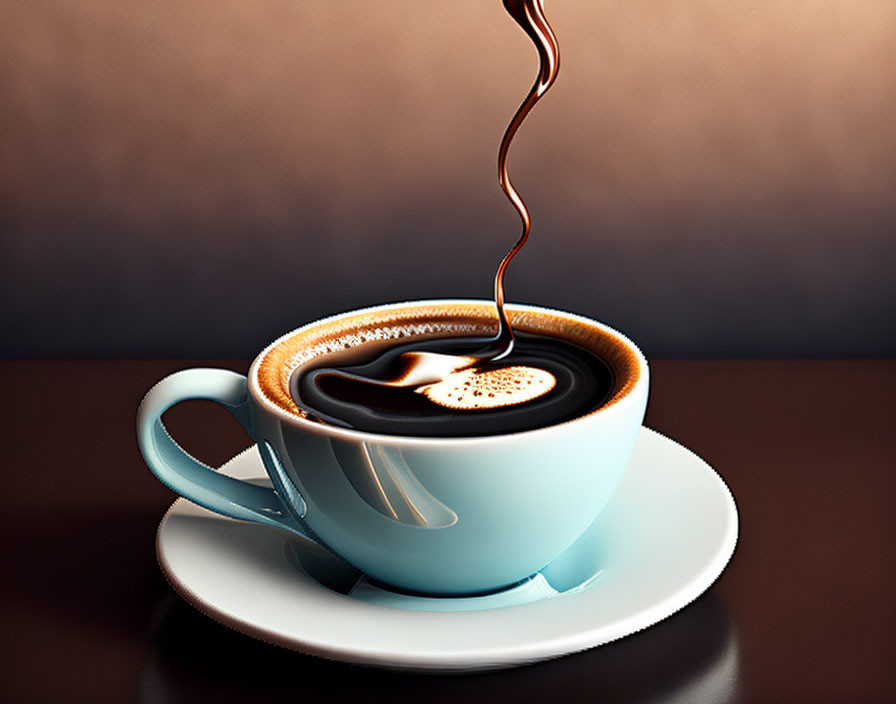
point(591, 367)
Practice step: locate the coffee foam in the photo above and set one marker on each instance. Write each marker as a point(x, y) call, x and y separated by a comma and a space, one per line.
point(383, 327)
point(478, 390)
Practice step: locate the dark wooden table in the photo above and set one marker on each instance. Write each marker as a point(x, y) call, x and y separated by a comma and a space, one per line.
point(805, 612)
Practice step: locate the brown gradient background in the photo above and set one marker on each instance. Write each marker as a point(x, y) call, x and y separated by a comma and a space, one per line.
point(195, 177)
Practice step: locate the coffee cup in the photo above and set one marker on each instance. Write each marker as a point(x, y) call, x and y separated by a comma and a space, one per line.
point(445, 516)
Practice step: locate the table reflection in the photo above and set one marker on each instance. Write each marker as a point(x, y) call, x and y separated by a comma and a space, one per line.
point(690, 657)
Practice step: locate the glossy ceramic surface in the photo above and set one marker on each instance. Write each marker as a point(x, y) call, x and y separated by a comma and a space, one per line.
point(662, 540)
point(442, 516)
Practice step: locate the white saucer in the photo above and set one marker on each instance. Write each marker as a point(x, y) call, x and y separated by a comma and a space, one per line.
point(661, 541)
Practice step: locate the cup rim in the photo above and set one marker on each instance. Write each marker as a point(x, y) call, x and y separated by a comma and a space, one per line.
point(327, 430)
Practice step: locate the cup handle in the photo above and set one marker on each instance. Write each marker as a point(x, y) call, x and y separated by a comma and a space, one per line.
point(188, 476)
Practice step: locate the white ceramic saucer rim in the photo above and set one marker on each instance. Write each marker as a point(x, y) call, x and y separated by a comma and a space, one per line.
point(472, 657)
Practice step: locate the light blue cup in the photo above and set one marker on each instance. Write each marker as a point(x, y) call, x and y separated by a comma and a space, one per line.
point(441, 516)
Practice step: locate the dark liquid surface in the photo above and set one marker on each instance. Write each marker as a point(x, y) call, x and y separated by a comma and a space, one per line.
point(583, 382)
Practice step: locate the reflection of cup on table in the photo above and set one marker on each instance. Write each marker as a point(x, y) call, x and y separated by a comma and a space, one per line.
point(439, 515)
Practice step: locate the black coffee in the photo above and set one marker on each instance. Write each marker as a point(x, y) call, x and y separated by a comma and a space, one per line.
point(556, 380)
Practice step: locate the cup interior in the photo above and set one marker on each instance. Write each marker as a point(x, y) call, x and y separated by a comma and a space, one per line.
point(275, 366)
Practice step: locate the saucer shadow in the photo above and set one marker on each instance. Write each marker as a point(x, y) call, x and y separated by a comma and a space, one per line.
point(690, 657)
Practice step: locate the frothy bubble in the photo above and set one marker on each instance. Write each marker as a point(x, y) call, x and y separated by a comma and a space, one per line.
point(473, 390)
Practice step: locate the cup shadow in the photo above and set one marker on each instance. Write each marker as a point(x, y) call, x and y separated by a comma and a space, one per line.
point(691, 656)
